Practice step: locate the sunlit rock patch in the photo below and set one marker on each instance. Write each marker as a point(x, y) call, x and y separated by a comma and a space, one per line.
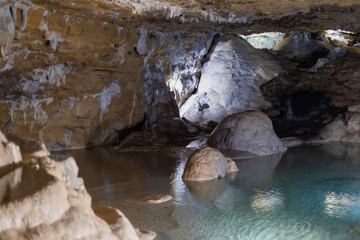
point(347, 37)
point(264, 40)
point(230, 81)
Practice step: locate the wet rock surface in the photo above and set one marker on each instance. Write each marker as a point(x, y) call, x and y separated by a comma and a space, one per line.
point(161, 198)
point(206, 164)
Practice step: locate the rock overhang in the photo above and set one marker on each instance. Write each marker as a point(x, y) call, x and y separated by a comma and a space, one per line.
point(221, 16)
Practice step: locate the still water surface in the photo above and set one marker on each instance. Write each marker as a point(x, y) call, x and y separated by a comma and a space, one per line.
point(310, 192)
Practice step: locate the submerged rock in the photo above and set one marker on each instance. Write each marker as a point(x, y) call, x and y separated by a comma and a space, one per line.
point(250, 131)
point(206, 164)
point(160, 198)
point(231, 81)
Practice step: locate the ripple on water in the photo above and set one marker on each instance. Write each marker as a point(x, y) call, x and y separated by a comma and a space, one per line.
point(309, 194)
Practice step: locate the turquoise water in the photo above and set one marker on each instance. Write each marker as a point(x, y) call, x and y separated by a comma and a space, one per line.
point(310, 192)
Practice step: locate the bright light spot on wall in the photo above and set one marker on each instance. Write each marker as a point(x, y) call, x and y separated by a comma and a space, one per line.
point(264, 40)
point(340, 35)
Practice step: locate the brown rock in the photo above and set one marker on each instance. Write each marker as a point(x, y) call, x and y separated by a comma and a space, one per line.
point(205, 164)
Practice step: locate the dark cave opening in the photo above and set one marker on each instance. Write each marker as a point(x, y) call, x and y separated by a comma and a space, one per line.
point(305, 104)
point(304, 114)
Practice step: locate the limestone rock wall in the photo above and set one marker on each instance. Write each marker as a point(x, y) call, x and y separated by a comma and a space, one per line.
point(78, 73)
point(72, 80)
point(231, 81)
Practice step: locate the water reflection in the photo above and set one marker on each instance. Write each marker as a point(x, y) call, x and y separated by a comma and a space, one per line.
point(256, 172)
point(310, 192)
point(22, 182)
point(267, 201)
point(208, 190)
point(337, 205)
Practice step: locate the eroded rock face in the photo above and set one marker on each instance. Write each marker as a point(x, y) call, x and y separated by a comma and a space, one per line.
point(206, 164)
point(55, 205)
point(231, 81)
point(250, 131)
point(62, 86)
point(55, 90)
point(310, 96)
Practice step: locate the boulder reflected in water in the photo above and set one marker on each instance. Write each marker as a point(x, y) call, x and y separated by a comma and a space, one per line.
point(256, 172)
point(209, 190)
point(253, 172)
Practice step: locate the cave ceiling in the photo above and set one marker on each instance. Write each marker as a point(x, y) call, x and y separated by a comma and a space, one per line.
point(238, 16)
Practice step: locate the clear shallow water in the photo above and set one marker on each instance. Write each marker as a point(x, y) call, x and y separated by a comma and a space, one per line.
point(310, 192)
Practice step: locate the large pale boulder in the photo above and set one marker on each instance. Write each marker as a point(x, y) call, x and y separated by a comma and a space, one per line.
point(231, 81)
point(250, 131)
point(206, 164)
point(9, 153)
